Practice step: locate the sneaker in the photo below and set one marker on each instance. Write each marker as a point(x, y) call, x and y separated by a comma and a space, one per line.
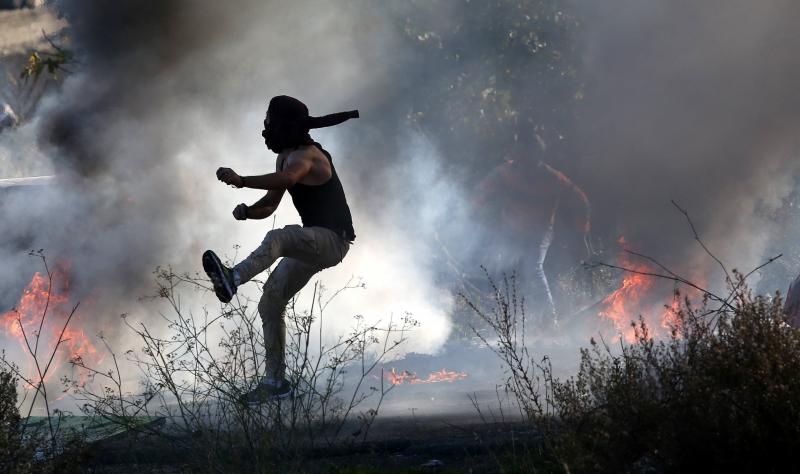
point(265, 392)
point(220, 275)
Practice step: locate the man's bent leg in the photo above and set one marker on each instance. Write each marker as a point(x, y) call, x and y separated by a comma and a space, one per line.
point(289, 277)
point(290, 241)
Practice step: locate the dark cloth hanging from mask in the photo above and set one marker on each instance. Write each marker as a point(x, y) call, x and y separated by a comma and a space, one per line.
point(330, 120)
point(289, 123)
point(287, 109)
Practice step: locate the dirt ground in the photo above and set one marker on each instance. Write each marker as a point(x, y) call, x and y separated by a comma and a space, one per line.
point(400, 444)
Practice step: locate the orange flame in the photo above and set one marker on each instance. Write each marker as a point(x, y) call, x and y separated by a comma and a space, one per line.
point(632, 299)
point(623, 306)
point(669, 319)
point(405, 376)
point(40, 316)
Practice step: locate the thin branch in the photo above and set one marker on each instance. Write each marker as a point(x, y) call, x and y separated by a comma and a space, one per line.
point(697, 238)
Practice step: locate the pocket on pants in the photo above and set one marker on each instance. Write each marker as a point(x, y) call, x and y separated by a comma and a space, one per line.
point(332, 248)
point(308, 239)
point(297, 242)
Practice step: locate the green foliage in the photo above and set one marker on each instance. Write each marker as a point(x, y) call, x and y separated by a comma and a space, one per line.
point(38, 62)
point(722, 394)
point(53, 62)
point(13, 456)
point(495, 73)
point(9, 415)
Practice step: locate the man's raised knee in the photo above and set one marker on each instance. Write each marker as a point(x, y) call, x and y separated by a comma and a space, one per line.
point(273, 240)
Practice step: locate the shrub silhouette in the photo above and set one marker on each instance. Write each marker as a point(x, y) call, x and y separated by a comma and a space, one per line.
point(720, 394)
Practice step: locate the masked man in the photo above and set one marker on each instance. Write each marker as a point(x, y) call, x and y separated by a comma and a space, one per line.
point(306, 170)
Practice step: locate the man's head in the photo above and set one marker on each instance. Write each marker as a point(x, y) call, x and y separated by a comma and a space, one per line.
point(286, 124)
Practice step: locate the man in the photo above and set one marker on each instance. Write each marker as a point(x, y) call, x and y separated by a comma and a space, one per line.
point(306, 170)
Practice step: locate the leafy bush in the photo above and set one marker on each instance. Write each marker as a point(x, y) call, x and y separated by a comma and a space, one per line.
point(722, 393)
point(26, 447)
point(12, 455)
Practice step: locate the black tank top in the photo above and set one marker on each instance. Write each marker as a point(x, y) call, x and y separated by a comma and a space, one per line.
point(324, 205)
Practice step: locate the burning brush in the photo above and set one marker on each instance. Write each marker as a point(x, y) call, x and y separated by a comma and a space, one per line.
point(42, 325)
point(405, 376)
point(635, 298)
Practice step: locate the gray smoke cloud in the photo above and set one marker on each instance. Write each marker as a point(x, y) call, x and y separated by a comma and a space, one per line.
point(696, 102)
point(692, 101)
point(167, 93)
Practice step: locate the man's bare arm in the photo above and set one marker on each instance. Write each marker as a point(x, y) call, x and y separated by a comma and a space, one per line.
point(297, 168)
point(265, 206)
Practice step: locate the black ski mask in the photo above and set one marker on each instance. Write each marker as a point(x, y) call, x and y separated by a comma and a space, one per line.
point(287, 123)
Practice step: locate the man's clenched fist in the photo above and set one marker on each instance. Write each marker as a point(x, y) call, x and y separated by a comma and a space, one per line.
point(240, 212)
point(228, 176)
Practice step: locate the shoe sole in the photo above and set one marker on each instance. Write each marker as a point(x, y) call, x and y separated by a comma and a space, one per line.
point(213, 268)
point(267, 399)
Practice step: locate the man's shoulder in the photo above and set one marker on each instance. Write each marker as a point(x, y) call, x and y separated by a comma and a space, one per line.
point(305, 152)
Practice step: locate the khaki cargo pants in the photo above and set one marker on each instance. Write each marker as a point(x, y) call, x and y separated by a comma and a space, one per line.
point(305, 251)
